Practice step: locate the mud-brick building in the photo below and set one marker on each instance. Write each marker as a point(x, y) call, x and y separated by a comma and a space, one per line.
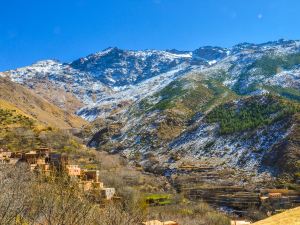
point(58, 161)
point(5, 156)
point(108, 193)
point(91, 175)
point(89, 179)
point(74, 171)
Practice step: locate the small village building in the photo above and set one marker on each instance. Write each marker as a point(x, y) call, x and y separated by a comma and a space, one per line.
point(91, 175)
point(31, 157)
point(5, 156)
point(58, 161)
point(108, 193)
point(90, 185)
point(263, 198)
point(45, 169)
point(43, 151)
point(274, 195)
point(73, 170)
point(13, 161)
point(41, 161)
point(45, 162)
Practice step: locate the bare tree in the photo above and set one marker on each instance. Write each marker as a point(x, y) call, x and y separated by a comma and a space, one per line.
point(15, 186)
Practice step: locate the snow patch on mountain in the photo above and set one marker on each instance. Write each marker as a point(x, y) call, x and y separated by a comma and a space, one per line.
point(108, 78)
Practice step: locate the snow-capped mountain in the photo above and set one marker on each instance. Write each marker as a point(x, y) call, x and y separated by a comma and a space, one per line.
point(116, 67)
point(105, 80)
point(158, 101)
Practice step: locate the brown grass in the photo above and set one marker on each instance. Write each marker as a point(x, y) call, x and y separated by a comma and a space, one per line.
point(289, 217)
point(14, 96)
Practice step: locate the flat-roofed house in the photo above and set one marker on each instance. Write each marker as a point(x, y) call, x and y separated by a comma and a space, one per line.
point(91, 175)
point(31, 157)
point(5, 156)
point(73, 170)
point(108, 193)
point(274, 195)
point(89, 185)
point(58, 161)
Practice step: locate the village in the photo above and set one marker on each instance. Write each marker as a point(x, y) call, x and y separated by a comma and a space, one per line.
point(49, 163)
point(46, 162)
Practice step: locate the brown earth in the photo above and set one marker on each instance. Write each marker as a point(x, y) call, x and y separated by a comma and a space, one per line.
point(15, 96)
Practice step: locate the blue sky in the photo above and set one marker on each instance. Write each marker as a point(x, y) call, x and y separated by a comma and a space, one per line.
point(68, 29)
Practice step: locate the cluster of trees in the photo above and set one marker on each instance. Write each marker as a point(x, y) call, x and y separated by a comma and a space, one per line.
point(28, 199)
point(24, 138)
point(18, 132)
point(290, 93)
point(169, 94)
point(270, 64)
point(267, 66)
point(251, 114)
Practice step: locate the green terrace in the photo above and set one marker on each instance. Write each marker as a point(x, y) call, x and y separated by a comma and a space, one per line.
point(158, 199)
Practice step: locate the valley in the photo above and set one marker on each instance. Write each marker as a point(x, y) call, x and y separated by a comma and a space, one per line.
point(217, 126)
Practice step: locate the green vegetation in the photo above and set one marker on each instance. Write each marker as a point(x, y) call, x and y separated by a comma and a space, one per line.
point(251, 113)
point(189, 96)
point(267, 66)
point(271, 65)
point(179, 102)
point(289, 93)
point(169, 94)
point(10, 117)
point(158, 199)
point(19, 132)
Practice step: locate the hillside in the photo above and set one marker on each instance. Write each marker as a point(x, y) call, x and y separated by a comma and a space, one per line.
point(205, 120)
point(220, 125)
point(100, 83)
point(183, 103)
point(15, 96)
point(289, 217)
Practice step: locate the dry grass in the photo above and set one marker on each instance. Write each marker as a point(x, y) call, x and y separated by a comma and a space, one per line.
point(14, 96)
point(290, 217)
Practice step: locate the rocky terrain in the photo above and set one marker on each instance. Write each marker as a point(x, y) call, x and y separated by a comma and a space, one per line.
point(228, 108)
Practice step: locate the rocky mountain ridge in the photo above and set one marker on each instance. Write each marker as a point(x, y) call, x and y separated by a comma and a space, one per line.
point(113, 76)
point(160, 103)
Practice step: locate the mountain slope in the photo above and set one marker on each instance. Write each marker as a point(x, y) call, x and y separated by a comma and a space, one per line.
point(16, 97)
point(290, 217)
point(176, 102)
point(95, 85)
point(100, 83)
